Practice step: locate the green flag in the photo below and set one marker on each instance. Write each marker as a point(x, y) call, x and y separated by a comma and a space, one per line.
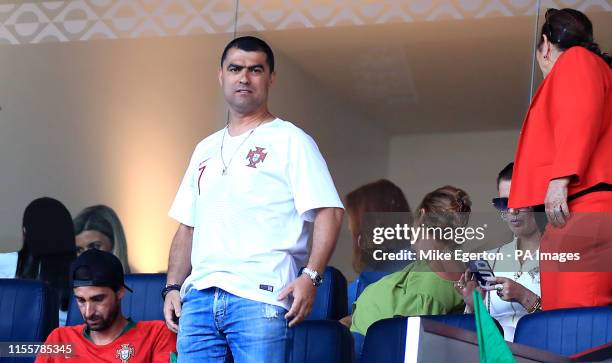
point(491, 344)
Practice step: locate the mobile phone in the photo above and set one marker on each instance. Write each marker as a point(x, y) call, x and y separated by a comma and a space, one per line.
point(481, 269)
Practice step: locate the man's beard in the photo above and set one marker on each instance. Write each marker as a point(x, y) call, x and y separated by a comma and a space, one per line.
point(104, 324)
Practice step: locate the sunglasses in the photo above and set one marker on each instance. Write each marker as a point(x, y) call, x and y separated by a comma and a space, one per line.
point(501, 204)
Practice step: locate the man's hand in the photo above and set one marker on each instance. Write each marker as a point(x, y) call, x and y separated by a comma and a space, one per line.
point(172, 310)
point(303, 292)
point(179, 266)
point(555, 202)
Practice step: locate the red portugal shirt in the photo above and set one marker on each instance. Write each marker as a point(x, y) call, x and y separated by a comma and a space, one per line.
point(145, 341)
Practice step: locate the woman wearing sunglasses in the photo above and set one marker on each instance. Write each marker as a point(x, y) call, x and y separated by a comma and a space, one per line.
point(516, 289)
point(564, 161)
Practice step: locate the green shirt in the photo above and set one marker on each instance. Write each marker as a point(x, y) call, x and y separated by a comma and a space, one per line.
point(416, 290)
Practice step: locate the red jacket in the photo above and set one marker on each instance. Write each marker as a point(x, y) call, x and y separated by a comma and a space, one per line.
point(567, 130)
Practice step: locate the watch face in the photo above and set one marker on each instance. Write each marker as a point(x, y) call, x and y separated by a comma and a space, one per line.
point(314, 276)
point(318, 280)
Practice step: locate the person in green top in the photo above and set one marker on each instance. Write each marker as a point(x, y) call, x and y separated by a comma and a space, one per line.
point(425, 287)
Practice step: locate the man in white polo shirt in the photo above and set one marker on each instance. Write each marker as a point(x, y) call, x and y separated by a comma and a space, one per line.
point(246, 205)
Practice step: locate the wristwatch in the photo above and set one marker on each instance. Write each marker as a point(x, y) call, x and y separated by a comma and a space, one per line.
point(317, 279)
point(168, 288)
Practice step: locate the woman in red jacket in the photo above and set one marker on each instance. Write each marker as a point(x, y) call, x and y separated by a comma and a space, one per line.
point(564, 161)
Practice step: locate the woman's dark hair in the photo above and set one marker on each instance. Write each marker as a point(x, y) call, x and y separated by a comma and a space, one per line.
point(48, 246)
point(375, 204)
point(568, 28)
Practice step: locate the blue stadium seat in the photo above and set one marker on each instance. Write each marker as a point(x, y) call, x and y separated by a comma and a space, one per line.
point(29, 311)
point(362, 281)
point(323, 341)
point(330, 303)
point(384, 342)
point(369, 277)
point(144, 303)
point(386, 339)
point(566, 331)
point(463, 321)
point(351, 295)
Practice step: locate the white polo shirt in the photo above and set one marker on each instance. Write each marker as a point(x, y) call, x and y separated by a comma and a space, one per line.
point(251, 226)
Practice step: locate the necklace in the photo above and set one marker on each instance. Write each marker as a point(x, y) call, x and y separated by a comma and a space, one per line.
point(519, 273)
point(226, 166)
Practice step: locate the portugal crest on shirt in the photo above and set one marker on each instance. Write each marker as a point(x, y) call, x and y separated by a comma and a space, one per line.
point(124, 353)
point(256, 156)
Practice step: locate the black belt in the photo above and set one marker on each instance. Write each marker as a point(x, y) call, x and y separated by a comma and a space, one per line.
point(601, 187)
point(540, 216)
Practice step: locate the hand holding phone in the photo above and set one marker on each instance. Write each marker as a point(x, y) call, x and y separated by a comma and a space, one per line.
point(482, 271)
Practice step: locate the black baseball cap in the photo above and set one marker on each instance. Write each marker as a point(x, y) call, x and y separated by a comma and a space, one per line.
point(97, 268)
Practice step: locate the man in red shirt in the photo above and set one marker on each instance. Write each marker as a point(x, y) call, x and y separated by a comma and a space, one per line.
point(106, 336)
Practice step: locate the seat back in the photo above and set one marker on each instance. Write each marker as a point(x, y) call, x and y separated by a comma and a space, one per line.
point(386, 339)
point(330, 302)
point(323, 341)
point(29, 310)
point(463, 321)
point(369, 277)
point(144, 303)
point(566, 331)
point(384, 342)
point(362, 281)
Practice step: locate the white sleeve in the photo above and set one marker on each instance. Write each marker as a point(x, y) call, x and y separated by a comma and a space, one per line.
point(183, 207)
point(311, 184)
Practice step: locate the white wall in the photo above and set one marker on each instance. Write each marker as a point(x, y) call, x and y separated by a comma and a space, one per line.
point(420, 163)
point(110, 122)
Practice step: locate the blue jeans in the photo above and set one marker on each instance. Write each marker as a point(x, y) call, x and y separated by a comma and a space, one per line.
point(216, 326)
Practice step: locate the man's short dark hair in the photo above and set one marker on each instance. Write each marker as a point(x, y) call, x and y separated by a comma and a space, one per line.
point(250, 44)
point(505, 173)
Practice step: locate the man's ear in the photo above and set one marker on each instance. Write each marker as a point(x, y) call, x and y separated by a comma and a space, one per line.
point(272, 78)
point(120, 293)
point(220, 76)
